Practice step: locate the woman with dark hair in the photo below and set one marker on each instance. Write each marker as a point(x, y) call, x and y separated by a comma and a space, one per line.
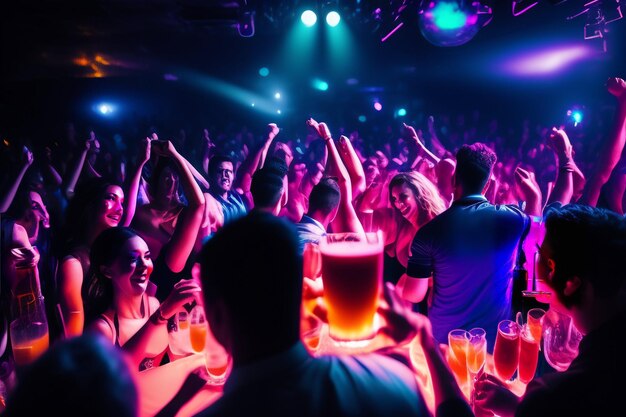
point(117, 301)
point(96, 206)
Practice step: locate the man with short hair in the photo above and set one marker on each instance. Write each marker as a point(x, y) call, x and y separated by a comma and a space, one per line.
point(221, 177)
point(251, 275)
point(469, 251)
point(269, 186)
point(323, 205)
point(582, 260)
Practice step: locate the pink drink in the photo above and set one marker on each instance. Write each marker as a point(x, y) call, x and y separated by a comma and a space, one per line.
point(506, 349)
point(528, 356)
point(352, 274)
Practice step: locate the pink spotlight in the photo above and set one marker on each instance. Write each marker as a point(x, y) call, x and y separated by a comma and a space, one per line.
point(378, 106)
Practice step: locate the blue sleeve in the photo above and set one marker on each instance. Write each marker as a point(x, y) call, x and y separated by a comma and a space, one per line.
point(420, 263)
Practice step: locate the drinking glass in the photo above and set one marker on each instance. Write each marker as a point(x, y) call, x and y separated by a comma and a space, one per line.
point(476, 356)
point(217, 360)
point(534, 319)
point(29, 339)
point(506, 349)
point(458, 341)
point(197, 329)
point(528, 355)
point(352, 266)
point(311, 331)
point(178, 334)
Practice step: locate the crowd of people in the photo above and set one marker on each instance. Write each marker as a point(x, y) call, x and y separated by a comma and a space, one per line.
point(122, 243)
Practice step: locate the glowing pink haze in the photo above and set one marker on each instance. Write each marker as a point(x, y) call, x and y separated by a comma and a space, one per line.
point(547, 61)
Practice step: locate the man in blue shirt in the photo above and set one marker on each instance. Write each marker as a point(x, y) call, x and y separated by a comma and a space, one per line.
point(469, 251)
point(221, 176)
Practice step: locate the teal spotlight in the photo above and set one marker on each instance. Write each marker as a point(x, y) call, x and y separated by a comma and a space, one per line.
point(401, 112)
point(320, 85)
point(264, 72)
point(362, 119)
point(308, 17)
point(333, 18)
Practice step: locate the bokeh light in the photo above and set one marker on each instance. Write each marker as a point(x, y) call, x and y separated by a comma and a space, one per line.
point(309, 18)
point(333, 19)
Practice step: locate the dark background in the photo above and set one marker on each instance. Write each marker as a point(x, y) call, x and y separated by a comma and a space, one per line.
point(45, 84)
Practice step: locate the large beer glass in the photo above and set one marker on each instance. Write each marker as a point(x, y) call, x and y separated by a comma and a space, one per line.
point(506, 349)
point(352, 267)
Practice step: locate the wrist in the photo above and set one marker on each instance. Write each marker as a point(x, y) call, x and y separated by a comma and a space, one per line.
point(157, 317)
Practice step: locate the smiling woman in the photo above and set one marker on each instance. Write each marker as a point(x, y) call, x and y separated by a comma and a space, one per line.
point(118, 303)
point(96, 206)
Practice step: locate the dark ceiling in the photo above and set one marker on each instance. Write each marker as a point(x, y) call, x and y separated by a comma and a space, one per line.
point(60, 42)
point(130, 37)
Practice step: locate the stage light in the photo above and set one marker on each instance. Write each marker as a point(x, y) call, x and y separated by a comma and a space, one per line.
point(333, 18)
point(378, 106)
point(401, 112)
point(246, 24)
point(308, 17)
point(277, 96)
point(105, 109)
point(320, 85)
point(264, 72)
point(452, 22)
point(575, 115)
point(362, 119)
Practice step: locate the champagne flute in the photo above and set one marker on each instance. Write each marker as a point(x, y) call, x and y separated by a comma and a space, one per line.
point(476, 356)
point(506, 350)
point(529, 354)
point(458, 341)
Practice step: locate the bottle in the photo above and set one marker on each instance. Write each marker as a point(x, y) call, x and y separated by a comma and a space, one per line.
point(29, 324)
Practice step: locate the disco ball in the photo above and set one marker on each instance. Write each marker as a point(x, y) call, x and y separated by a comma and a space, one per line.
point(452, 22)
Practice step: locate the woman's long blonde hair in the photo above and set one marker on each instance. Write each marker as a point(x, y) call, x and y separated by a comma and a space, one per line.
point(430, 203)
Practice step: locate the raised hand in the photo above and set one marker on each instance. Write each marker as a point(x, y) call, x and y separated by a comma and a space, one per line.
point(411, 135)
point(272, 130)
point(27, 156)
point(144, 151)
point(207, 139)
point(560, 143)
point(321, 128)
point(617, 87)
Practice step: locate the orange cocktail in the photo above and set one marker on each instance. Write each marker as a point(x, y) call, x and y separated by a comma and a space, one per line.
point(458, 341)
point(352, 266)
point(28, 341)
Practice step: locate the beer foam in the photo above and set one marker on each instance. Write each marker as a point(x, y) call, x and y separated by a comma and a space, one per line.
point(348, 249)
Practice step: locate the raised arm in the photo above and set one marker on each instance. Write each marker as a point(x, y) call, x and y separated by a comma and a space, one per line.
point(346, 219)
point(9, 195)
point(530, 191)
point(184, 237)
point(353, 166)
point(416, 146)
point(612, 149)
point(133, 186)
point(78, 168)
point(254, 160)
point(564, 185)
